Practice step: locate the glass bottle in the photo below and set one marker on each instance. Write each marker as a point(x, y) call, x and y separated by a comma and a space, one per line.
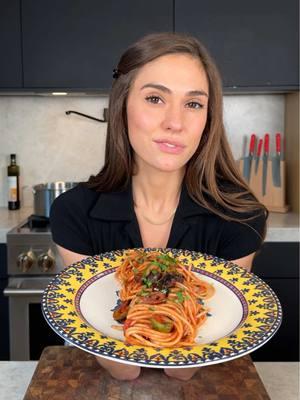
point(13, 172)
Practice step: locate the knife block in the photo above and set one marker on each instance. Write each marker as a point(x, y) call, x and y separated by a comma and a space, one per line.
point(274, 198)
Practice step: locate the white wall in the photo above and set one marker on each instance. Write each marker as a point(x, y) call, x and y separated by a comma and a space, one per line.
point(52, 146)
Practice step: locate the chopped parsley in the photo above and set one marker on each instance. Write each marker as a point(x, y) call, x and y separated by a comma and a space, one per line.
point(167, 259)
point(180, 297)
point(147, 282)
point(163, 267)
point(143, 293)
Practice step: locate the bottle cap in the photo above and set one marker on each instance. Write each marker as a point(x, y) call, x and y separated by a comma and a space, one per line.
point(13, 159)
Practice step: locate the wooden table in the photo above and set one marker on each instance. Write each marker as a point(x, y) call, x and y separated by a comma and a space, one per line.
point(68, 373)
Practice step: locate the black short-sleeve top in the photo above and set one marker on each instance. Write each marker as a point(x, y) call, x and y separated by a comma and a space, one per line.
point(89, 222)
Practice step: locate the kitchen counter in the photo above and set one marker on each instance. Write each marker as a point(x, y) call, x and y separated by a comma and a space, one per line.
point(10, 219)
point(280, 379)
point(281, 227)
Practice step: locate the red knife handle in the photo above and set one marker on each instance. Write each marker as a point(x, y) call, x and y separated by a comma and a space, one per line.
point(266, 143)
point(260, 143)
point(278, 143)
point(252, 144)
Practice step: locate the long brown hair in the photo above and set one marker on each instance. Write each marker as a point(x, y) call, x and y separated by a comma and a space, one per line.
point(212, 178)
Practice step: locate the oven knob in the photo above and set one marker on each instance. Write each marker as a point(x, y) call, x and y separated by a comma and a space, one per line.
point(46, 262)
point(25, 261)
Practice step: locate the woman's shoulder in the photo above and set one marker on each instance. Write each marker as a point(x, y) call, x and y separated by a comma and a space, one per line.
point(69, 219)
point(79, 198)
point(244, 215)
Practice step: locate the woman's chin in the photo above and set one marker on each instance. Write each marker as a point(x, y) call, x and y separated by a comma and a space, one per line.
point(159, 165)
point(170, 168)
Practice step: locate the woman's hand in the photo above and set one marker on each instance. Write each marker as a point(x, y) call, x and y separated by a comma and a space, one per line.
point(245, 262)
point(184, 374)
point(119, 371)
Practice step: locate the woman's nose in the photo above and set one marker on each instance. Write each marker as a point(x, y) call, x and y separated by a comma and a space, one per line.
point(173, 118)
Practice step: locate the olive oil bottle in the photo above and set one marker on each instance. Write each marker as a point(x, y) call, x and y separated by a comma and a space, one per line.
point(13, 172)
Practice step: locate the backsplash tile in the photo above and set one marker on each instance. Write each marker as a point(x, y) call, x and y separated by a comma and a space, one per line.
point(51, 146)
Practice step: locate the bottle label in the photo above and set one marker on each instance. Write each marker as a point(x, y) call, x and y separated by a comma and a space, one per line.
point(12, 188)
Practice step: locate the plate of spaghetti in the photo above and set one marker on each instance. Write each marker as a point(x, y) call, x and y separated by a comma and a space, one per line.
point(161, 308)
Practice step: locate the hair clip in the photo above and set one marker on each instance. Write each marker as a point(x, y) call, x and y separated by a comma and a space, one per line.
point(116, 73)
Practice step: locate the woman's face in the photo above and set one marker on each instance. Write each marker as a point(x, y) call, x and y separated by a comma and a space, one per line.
point(167, 112)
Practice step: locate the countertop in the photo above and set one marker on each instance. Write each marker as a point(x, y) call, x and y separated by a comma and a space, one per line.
point(281, 379)
point(281, 227)
point(10, 219)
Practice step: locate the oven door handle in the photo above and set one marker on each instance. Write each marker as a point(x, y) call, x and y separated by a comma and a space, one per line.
point(22, 292)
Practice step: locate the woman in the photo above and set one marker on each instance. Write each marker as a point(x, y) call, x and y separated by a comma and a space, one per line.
point(169, 178)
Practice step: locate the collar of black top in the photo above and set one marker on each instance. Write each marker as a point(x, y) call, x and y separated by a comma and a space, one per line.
point(118, 206)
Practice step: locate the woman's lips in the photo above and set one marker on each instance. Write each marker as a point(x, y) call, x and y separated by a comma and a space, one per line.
point(169, 147)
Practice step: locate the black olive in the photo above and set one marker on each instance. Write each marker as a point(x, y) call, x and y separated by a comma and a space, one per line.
point(169, 280)
point(154, 277)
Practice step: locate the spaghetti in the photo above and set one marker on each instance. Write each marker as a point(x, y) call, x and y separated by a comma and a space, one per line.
point(161, 301)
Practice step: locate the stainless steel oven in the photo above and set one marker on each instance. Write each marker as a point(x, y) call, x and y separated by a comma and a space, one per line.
point(32, 261)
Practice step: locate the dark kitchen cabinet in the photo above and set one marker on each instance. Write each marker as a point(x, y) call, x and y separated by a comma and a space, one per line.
point(10, 45)
point(278, 265)
point(76, 44)
point(254, 43)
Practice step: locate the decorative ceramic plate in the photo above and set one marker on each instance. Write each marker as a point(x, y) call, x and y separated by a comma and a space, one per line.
point(244, 312)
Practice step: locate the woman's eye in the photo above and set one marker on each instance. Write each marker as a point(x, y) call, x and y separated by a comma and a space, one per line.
point(194, 104)
point(153, 99)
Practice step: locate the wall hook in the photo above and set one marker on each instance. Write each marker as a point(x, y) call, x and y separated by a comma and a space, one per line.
point(88, 116)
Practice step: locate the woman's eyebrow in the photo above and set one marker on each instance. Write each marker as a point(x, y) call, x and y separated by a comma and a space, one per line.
point(167, 90)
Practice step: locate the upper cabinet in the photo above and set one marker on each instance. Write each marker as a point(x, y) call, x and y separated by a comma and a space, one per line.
point(254, 43)
point(72, 45)
point(76, 44)
point(10, 44)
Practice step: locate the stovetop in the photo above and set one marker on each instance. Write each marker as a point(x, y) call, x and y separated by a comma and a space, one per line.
point(34, 224)
point(38, 222)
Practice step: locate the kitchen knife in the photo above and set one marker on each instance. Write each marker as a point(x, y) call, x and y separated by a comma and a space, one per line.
point(248, 159)
point(282, 148)
point(265, 163)
point(258, 154)
point(244, 150)
point(276, 162)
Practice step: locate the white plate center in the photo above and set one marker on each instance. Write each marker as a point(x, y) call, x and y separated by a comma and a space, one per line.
point(100, 297)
